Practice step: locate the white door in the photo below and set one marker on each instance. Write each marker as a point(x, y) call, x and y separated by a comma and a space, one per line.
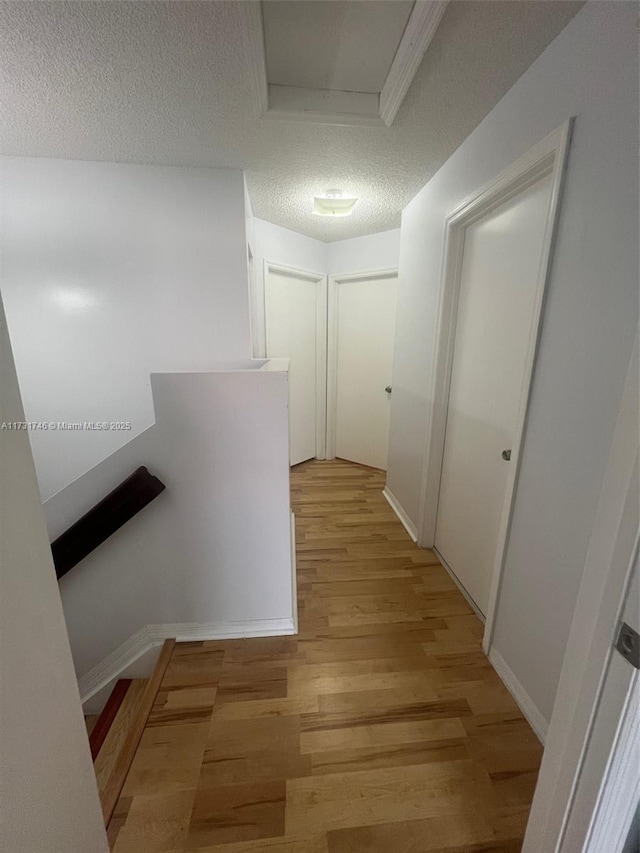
point(295, 308)
point(362, 323)
point(496, 309)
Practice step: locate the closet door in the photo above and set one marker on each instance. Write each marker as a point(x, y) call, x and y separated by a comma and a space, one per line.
point(361, 324)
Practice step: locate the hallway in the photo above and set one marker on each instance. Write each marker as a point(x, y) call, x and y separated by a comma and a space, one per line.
point(379, 728)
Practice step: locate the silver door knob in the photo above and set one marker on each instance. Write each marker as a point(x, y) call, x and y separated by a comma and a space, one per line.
point(506, 455)
point(388, 389)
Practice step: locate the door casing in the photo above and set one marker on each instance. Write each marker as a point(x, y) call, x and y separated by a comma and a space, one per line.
point(320, 281)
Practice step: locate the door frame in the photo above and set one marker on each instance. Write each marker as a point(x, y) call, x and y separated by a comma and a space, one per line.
point(548, 157)
point(335, 281)
point(320, 280)
point(254, 300)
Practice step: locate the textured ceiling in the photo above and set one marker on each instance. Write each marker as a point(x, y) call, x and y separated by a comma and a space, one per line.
point(167, 82)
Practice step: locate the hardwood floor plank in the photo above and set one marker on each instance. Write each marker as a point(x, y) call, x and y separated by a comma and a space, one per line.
point(385, 734)
point(364, 798)
point(237, 813)
point(415, 836)
point(395, 755)
point(169, 758)
point(304, 844)
point(265, 708)
point(156, 823)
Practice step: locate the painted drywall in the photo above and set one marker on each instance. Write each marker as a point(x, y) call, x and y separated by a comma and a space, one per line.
point(373, 252)
point(112, 271)
point(47, 784)
point(214, 549)
point(590, 71)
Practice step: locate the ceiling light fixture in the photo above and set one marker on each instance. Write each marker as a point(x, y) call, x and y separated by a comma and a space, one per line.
point(332, 204)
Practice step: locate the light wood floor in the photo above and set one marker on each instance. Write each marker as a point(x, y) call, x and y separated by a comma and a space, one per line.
point(380, 728)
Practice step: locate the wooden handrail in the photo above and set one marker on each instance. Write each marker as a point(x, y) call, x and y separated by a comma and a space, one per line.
point(107, 516)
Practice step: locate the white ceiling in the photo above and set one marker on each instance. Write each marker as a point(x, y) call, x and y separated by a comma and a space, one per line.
point(312, 43)
point(168, 82)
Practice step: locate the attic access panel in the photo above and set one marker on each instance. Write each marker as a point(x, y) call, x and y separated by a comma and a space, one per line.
point(337, 61)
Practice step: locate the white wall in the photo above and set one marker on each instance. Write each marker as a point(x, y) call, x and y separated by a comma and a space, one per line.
point(110, 272)
point(47, 784)
point(289, 248)
point(212, 550)
point(589, 71)
point(373, 252)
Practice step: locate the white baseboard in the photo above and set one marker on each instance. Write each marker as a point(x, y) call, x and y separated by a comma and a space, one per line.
point(526, 704)
point(143, 641)
point(116, 663)
point(141, 667)
point(193, 631)
point(408, 525)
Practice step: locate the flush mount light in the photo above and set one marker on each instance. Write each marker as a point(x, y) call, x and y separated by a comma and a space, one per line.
point(332, 204)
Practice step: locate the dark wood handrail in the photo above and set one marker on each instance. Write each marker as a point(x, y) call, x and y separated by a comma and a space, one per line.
point(107, 516)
